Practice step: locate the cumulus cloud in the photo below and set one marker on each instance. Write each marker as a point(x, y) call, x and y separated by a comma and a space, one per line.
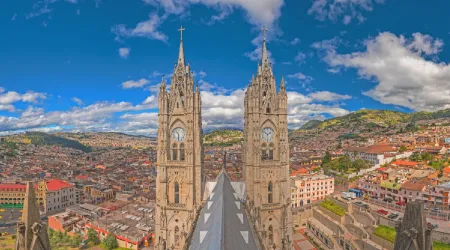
point(300, 58)
point(147, 29)
point(94, 117)
point(328, 96)
point(342, 10)
point(124, 52)
point(135, 84)
point(12, 97)
point(258, 11)
point(403, 73)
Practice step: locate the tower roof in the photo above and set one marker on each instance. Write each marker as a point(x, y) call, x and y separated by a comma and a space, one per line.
point(264, 56)
point(181, 51)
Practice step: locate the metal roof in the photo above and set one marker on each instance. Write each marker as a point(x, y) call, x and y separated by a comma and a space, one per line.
point(223, 223)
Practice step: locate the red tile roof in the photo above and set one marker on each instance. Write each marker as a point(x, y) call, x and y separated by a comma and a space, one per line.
point(404, 163)
point(7, 185)
point(446, 169)
point(54, 185)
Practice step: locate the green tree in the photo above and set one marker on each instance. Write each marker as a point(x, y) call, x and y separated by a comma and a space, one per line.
point(326, 158)
point(93, 237)
point(75, 241)
point(110, 242)
point(403, 148)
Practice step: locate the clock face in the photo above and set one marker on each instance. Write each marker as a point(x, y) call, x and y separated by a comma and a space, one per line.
point(267, 134)
point(178, 134)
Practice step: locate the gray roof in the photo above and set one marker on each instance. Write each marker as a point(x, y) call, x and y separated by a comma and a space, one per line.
point(223, 223)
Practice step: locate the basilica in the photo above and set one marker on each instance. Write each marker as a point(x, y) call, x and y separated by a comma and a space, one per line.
point(194, 214)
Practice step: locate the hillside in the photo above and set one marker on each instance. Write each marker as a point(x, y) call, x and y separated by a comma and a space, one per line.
point(40, 139)
point(223, 138)
point(311, 124)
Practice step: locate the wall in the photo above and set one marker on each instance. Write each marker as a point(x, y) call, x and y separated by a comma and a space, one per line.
point(366, 245)
point(333, 226)
point(364, 218)
point(332, 215)
point(385, 244)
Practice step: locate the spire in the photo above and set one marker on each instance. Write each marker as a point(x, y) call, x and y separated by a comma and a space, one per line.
point(264, 56)
point(163, 83)
point(181, 53)
point(197, 89)
point(282, 85)
point(31, 233)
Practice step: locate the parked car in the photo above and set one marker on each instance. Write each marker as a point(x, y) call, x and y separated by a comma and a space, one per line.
point(358, 203)
point(401, 203)
point(425, 207)
point(365, 206)
point(374, 197)
point(382, 211)
point(387, 200)
point(393, 216)
point(436, 210)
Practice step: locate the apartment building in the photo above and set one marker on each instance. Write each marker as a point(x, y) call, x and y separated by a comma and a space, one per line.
point(310, 188)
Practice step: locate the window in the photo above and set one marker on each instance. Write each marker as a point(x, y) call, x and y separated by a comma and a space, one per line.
point(174, 151)
point(270, 235)
point(182, 152)
point(177, 192)
point(270, 192)
point(177, 236)
point(263, 152)
point(268, 108)
point(271, 151)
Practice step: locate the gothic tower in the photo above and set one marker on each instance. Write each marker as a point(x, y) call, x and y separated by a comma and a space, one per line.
point(179, 184)
point(266, 156)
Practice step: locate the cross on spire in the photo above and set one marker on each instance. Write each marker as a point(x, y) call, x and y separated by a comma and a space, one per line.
point(264, 29)
point(181, 29)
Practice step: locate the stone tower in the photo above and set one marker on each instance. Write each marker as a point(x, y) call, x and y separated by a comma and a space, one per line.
point(413, 233)
point(179, 184)
point(31, 233)
point(266, 156)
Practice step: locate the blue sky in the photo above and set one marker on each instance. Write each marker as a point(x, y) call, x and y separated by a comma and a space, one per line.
point(95, 65)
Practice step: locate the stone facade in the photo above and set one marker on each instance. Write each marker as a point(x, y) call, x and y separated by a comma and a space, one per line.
point(266, 157)
point(179, 185)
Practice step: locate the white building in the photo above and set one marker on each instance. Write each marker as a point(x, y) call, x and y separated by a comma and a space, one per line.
point(310, 188)
point(58, 195)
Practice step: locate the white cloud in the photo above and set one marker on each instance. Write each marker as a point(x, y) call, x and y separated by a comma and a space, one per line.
point(202, 74)
point(7, 107)
point(258, 12)
point(302, 78)
point(151, 100)
point(135, 84)
point(2, 90)
point(124, 52)
point(147, 29)
point(12, 97)
point(300, 58)
point(328, 96)
point(403, 74)
point(13, 18)
point(95, 117)
point(345, 10)
point(295, 41)
point(78, 101)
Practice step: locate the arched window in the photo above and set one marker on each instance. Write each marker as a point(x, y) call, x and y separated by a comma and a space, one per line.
point(177, 192)
point(182, 152)
point(177, 235)
point(269, 192)
point(270, 235)
point(268, 108)
point(271, 151)
point(174, 151)
point(263, 152)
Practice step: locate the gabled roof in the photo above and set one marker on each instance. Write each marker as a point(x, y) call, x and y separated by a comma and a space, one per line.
point(223, 223)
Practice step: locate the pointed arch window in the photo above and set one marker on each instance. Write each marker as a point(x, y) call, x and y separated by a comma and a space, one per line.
point(176, 189)
point(270, 235)
point(268, 108)
point(271, 151)
point(177, 235)
point(174, 151)
point(270, 192)
point(263, 152)
point(182, 152)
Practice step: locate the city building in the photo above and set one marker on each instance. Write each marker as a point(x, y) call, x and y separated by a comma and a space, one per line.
point(375, 154)
point(310, 188)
